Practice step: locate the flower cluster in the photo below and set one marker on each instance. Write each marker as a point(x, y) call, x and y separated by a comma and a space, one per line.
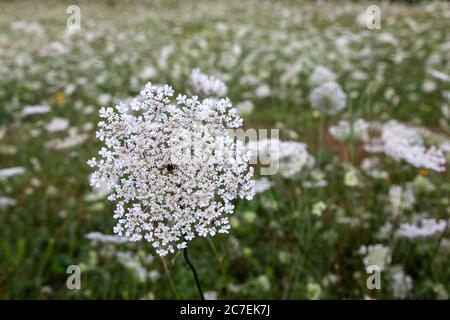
point(405, 143)
point(378, 255)
point(10, 172)
point(164, 193)
point(401, 284)
point(328, 98)
point(31, 110)
point(321, 75)
point(106, 238)
point(344, 130)
point(286, 157)
point(424, 229)
point(262, 185)
point(206, 86)
point(401, 197)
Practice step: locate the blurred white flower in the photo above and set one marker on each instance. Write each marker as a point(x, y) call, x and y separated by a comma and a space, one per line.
point(206, 86)
point(55, 49)
point(10, 172)
point(211, 295)
point(401, 284)
point(31, 110)
point(376, 255)
point(262, 184)
point(425, 228)
point(318, 208)
point(104, 238)
point(132, 262)
point(57, 125)
point(401, 198)
point(439, 75)
point(104, 99)
point(344, 130)
point(263, 282)
point(405, 143)
point(263, 91)
point(7, 202)
point(245, 107)
point(318, 178)
point(147, 73)
point(371, 166)
point(321, 75)
point(73, 139)
point(290, 156)
point(351, 178)
point(328, 98)
point(33, 27)
point(313, 290)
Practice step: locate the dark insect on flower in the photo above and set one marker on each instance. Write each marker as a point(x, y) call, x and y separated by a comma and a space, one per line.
point(170, 167)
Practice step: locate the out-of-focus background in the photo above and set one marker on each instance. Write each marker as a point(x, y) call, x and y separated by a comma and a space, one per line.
point(310, 235)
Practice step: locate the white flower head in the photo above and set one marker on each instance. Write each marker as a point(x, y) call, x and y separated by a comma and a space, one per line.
point(163, 193)
point(286, 157)
point(7, 202)
point(343, 130)
point(378, 255)
point(401, 198)
point(57, 125)
point(426, 228)
point(401, 284)
point(262, 185)
point(206, 86)
point(321, 75)
point(105, 238)
point(405, 143)
point(32, 110)
point(6, 173)
point(328, 98)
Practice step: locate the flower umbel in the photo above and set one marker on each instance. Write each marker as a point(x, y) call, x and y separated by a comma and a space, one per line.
point(164, 193)
point(404, 143)
point(206, 86)
point(328, 98)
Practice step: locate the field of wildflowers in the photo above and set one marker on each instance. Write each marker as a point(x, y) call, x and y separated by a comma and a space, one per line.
point(96, 102)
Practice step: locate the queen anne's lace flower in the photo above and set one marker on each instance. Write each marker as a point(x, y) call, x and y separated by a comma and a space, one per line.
point(344, 130)
point(206, 86)
point(10, 172)
point(404, 143)
point(401, 284)
point(57, 125)
point(7, 202)
point(31, 110)
point(328, 98)
point(401, 198)
point(262, 185)
point(290, 156)
point(424, 229)
point(321, 75)
point(105, 238)
point(164, 193)
point(376, 255)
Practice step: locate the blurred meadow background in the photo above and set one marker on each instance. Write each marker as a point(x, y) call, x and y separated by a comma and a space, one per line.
point(306, 235)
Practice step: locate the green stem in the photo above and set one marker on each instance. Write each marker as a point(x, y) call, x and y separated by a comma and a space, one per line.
point(321, 137)
point(172, 285)
point(218, 257)
point(438, 245)
point(197, 282)
point(352, 137)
